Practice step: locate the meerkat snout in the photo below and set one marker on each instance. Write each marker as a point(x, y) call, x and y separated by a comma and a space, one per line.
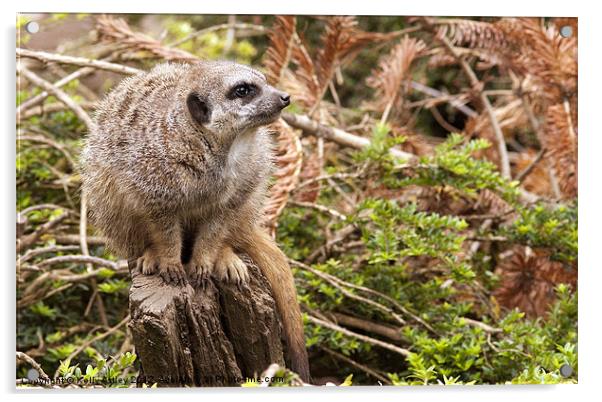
point(285, 100)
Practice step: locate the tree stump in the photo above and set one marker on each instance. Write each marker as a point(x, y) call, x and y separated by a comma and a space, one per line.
point(215, 336)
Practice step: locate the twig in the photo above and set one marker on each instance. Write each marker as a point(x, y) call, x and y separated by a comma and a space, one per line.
point(77, 61)
point(38, 207)
point(526, 171)
point(36, 366)
point(360, 366)
point(487, 238)
point(442, 122)
point(230, 35)
point(329, 278)
point(83, 228)
point(339, 176)
point(320, 208)
point(367, 339)
point(368, 326)
point(367, 290)
point(538, 132)
point(33, 101)
point(43, 250)
point(74, 239)
point(32, 299)
point(47, 109)
point(485, 327)
point(80, 259)
point(59, 94)
point(54, 144)
point(437, 94)
point(27, 241)
point(334, 134)
point(338, 237)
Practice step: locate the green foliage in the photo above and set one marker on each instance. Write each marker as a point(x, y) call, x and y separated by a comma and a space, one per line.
point(555, 229)
point(43, 310)
point(398, 238)
point(453, 165)
point(114, 286)
point(113, 373)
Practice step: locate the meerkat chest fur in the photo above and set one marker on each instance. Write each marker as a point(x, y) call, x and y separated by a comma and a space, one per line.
point(245, 169)
point(243, 155)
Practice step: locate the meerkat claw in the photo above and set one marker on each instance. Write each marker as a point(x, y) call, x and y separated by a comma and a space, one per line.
point(230, 268)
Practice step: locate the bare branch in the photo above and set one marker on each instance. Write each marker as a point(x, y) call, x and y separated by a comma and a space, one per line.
point(60, 95)
point(367, 339)
point(321, 208)
point(36, 366)
point(81, 259)
point(77, 61)
point(27, 241)
point(360, 366)
point(334, 134)
point(368, 326)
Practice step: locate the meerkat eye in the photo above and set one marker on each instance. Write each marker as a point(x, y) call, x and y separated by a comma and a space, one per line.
point(243, 90)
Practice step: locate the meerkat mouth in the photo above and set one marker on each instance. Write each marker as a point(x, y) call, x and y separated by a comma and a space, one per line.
point(267, 118)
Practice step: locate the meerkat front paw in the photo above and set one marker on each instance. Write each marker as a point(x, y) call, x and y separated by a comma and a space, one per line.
point(170, 270)
point(199, 269)
point(229, 267)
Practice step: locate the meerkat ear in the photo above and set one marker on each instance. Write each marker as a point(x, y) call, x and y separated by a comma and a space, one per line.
point(199, 109)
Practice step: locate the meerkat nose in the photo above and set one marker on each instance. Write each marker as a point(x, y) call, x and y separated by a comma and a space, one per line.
point(285, 100)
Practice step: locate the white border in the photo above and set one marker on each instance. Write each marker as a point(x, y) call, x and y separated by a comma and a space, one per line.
point(590, 279)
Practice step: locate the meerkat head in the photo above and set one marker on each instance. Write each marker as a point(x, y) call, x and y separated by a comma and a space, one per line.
point(228, 98)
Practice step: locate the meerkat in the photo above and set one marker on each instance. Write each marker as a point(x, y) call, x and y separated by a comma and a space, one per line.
point(176, 171)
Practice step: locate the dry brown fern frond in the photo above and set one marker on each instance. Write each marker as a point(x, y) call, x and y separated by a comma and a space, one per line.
point(289, 157)
point(528, 279)
point(340, 42)
point(390, 80)
point(560, 139)
point(335, 40)
point(542, 52)
point(490, 203)
point(305, 74)
point(278, 55)
point(117, 31)
point(471, 33)
point(441, 59)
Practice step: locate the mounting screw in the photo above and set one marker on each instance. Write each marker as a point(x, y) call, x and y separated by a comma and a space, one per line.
point(566, 31)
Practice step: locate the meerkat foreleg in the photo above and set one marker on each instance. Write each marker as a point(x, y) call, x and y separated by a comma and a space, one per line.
point(162, 255)
point(211, 255)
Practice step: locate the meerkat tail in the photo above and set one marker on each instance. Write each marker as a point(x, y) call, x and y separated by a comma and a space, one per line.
point(274, 265)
